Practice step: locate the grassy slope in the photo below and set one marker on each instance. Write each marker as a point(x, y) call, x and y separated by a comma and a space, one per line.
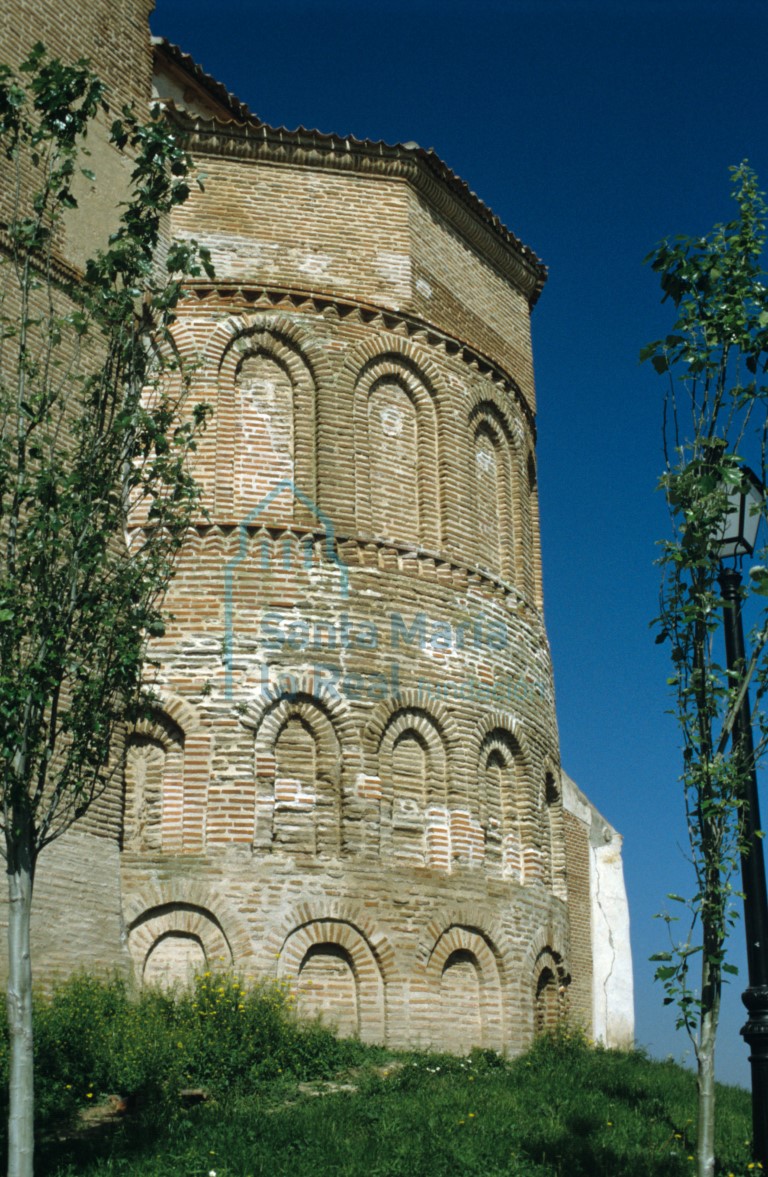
point(563, 1109)
point(289, 1098)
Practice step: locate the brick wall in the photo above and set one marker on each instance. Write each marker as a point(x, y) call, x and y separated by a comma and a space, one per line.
point(114, 37)
point(579, 915)
point(77, 916)
point(351, 781)
point(356, 623)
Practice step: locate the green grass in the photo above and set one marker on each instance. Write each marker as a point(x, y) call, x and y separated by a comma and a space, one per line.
point(276, 1105)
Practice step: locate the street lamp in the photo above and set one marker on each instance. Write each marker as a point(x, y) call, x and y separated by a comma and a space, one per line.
point(737, 539)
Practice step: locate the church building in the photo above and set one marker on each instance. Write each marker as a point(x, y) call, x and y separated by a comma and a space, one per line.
point(352, 781)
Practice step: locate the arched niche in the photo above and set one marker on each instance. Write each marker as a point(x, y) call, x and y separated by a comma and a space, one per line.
point(500, 788)
point(167, 774)
point(532, 484)
point(327, 988)
point(264, 405)
point(465, 980)
point(495, 490)
point(335, 974)
point(397, 470)
point(393, 463)
point(461, 1000)
point(298, 779)
point(265, 419)
point(550, 989)
point(154, 775)
point(493, 505)
point(415, 823)
point(171, 942)
point(552, 834)
point(174, 960)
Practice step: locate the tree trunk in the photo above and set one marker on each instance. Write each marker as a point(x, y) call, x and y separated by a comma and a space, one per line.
point(705, 1145)
point(21, 1137)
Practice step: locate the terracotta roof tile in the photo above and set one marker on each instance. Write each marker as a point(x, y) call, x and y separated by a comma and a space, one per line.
point(216, 90)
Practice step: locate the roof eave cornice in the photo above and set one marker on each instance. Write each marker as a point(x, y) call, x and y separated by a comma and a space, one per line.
point(422, 169)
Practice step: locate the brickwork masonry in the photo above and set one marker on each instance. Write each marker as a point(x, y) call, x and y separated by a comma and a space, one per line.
point(352, 778)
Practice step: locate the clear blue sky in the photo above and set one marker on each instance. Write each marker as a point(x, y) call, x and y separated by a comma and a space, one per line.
point(592, 128)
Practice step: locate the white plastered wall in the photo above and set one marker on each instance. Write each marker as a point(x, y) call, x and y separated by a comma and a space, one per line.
point(613, 1005)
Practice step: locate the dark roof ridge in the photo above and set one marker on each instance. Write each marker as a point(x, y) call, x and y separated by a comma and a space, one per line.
point(216, 89)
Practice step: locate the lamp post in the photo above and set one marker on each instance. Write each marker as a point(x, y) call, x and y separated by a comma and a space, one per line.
point(738, 539)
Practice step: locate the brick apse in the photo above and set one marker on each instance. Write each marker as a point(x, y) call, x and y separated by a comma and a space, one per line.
point(352, 780)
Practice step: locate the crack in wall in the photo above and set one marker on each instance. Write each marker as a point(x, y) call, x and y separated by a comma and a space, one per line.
point(598, 902)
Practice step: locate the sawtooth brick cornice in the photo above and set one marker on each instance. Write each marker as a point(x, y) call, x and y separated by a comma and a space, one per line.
point(228, 296)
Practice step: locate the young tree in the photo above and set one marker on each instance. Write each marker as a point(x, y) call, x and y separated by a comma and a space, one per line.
point(715, 420)
point(92, 435)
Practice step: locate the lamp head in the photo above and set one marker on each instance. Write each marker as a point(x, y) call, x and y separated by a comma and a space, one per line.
point(746, 503)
